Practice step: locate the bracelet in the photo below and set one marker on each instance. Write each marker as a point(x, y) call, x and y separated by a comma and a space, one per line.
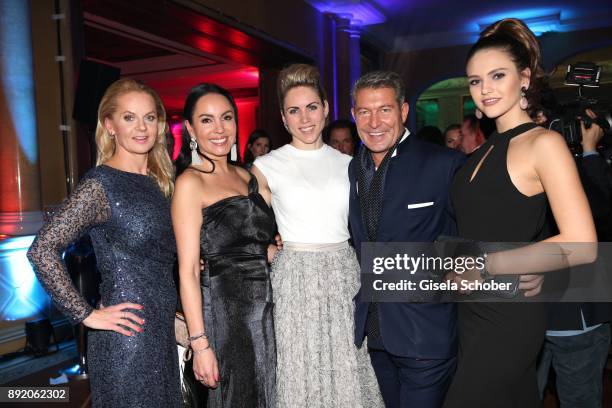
point(202, 349)
point(198, 336)
point(484, 273)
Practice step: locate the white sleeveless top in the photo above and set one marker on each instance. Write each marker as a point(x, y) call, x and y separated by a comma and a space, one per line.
point(310, 193)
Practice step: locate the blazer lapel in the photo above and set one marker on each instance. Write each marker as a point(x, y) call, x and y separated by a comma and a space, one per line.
point(355, 209)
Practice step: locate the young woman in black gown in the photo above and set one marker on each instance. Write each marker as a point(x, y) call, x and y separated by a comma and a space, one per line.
point(219, 215)
point(124, 205)
point(502, 194)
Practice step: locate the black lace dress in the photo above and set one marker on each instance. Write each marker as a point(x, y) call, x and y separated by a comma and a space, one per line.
point(128, 220)
point(237, 299)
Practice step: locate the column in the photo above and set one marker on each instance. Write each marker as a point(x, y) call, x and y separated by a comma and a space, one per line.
point(20, 201)
point(327, 64)
point(348, 62)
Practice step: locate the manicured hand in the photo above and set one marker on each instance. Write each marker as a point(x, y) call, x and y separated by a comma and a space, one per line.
point(205, 367)
point(279, 242)
point(116, 316)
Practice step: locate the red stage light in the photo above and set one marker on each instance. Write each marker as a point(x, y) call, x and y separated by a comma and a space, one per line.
point(247, 121)
point(176, 130)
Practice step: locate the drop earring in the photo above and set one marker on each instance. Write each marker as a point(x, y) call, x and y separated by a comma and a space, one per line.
point(234, 153)
point(478, 113)
point(195, 157)
point(523, 103)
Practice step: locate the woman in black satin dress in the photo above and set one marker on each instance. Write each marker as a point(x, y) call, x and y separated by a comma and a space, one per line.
point(502, 194)
point(219, 215)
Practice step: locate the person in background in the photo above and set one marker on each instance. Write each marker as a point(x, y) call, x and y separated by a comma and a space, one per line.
point(341, 134)
point(472, 136)
point(578, 334)
point(258, 144)
point(123, 203)
point(452, 136)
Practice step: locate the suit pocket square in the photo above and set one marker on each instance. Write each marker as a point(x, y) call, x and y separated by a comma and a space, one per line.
point(420, 205)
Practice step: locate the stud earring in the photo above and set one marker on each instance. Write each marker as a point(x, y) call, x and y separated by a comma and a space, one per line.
point(523, 103)
point(478, 113)
point(195, 156)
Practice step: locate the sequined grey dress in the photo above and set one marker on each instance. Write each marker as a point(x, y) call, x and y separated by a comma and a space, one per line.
point(128, 220)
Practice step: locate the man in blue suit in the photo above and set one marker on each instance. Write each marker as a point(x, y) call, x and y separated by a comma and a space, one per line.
point(400, 193)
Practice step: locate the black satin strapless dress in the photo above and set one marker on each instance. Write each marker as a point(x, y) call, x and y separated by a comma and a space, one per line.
point(237, 299)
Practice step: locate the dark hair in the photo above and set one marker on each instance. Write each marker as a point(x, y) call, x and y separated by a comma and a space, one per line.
point(454, 126)
point(514, 37)
point(299, 75)
point(431, 134)
point(183, 161)
point(381, 79)
point(473, 122)
point(485, 125)
point(256, 134)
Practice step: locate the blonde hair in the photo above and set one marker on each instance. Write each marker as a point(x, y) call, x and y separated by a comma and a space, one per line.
point(159, 164)
point(299, 75)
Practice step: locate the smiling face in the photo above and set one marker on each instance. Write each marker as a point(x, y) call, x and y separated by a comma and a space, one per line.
point(495, 82)
point(379, 119)
point(134, 123)
point(304, 114)
point(213, 125)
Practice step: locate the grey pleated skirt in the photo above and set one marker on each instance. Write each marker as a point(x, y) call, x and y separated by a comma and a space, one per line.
point(318, 364)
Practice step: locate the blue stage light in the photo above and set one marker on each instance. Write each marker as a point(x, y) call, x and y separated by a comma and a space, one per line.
point(539, 20)
point(359, 12)
point(20, 293)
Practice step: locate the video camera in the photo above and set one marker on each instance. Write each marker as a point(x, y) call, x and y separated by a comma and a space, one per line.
point(566, 117)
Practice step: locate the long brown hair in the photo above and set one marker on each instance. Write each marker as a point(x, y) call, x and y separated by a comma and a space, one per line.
point(159, 165)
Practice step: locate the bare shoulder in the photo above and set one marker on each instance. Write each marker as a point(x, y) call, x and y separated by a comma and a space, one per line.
point(190, 181)
point(544, 140)
point(541, 145)
point(243, 173)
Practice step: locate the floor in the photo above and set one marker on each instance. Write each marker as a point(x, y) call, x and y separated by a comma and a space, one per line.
point(79, 390)
point(80, 397)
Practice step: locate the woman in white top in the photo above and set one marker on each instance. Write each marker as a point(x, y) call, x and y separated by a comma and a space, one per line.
point(316, 276)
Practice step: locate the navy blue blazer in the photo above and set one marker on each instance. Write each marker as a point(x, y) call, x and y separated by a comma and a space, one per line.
point(420, 172)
